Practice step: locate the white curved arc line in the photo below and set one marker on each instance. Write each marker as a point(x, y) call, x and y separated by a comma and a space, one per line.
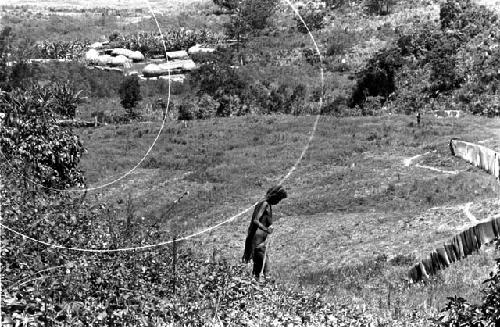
point(306, 147)
point(143, 247)
point(451, 172)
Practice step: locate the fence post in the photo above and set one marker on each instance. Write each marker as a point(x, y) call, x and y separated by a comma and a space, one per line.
point(174, 263)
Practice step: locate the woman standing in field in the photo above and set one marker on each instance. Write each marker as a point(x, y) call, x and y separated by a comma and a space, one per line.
point(260, 227)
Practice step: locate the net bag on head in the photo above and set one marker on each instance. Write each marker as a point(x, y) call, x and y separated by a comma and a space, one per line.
point(276, 194)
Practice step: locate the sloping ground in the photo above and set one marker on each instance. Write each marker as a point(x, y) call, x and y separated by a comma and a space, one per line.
point(356, 218)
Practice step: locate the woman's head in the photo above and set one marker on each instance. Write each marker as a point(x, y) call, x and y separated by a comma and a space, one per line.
point(275, 194)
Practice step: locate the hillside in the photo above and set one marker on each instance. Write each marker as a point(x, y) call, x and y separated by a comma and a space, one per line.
point(340, 219)
point(160, 243)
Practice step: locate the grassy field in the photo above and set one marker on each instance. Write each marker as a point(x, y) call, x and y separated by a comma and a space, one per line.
point(356, 218)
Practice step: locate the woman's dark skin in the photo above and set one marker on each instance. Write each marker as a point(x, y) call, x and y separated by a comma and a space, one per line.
point(259, 229)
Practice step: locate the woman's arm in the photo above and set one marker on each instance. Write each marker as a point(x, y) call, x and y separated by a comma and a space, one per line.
point(257, 222)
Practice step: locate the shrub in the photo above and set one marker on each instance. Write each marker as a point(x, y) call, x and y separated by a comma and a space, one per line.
point(222, 83)
point(279, 99)
point(378, 77)
point(458, 312)
point(314, 19)
point(207, 107)
point(50, 154)
point(372, 105)
point(20, 75)
point(256, 96)
point(251, 17)
point(379, 7)
point(92, 82)
point(335, 4)
point(5, 48)
point(311, 56)
point(467, 17)
point(339, 42)
point(298, 99)
point(448, 13)
point(113, 36)
point(65, 100)
point(186, 111)
point(337, 106)
point(444, 76)
point(256, 14)
point(478, 62)
point(227, 4)
point(130, 95)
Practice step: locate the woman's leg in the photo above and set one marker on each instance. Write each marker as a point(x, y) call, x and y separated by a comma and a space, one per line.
point(258, 261)
point(266, 266)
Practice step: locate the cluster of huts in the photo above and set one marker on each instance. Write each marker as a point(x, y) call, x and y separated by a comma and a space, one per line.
point(173, 66)
point(113, 57)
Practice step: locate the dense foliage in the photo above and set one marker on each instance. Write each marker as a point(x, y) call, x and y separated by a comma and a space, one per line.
point(467, 17)
point(59, 49)
point(458, 312)
point(151, 44)
point(224, 91)
point(250, 17)
point(4, 51)
point(130, 95)
point(31, 140)
point(378, 78)
point(227, 4)
point(379, 7)
point(314, 20)
point(443, 74)
point(12, 74)
point(450, 66)
point(92, 82)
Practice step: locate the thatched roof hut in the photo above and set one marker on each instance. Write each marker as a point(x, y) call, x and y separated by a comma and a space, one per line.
point(92, 55)
point(133, 55)
point(197, 49)
point(120, 60)
point(176, 66)
point(103, 59)
point(177, 54)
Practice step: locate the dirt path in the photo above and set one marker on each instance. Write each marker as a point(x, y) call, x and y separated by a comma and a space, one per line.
point(407, 162)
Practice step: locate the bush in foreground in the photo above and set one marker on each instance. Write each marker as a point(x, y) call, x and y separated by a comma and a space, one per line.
point(32, 141)
point(458, 312)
